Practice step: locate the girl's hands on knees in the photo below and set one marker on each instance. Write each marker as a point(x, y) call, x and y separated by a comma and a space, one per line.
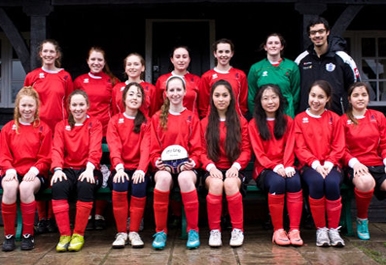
point(290, 172)
point(360, 169)
point(322, 171)
point(120, 176)
point(279, 169)
point(232, 172)
point(31, 174)
point(215, 173)
point(88, 174)
point(138, 176)
point(58, 175)
point(10, 175)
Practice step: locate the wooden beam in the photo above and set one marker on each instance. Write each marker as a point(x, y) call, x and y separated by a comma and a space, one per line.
point(345, 19)
point(15, 39)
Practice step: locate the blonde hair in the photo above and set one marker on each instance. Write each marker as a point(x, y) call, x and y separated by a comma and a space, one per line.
point(23, 92)
point(165, 107)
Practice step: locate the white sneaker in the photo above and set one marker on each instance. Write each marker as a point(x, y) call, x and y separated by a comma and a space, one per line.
point(335, 239)
point(141, 225)
point(120, 240)
point(215, 238)
point(135, 240)
point(237, 238)
point(322, 238)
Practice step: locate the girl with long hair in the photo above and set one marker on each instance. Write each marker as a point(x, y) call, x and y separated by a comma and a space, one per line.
point(272, 140)
point(128, 137)
point(226, 152)
point(223, 51)
point(365, 155)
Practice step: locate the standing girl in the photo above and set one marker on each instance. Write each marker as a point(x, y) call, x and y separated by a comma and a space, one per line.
point(272, 141)
point(76, 154)
point(226, 151)
point(25, 156)
point(98, 84)
point(175, 125)
point(180, 58)
point(365, 156)
point(223, 51)
point(134, 65)
point(54, 85)
point(275, 69)
point(319, 147)
point(128, 137)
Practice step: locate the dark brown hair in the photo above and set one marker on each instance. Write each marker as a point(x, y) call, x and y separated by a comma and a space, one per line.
point(140, 117)
point(232, 123)
point(349, 92)
point(141, 59)
point(71, 119)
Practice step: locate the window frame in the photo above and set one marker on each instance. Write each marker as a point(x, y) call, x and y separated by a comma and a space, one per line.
point(356, 50)
point(6, 62)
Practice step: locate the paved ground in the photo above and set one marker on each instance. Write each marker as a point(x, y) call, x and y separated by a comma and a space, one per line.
point(257, 249)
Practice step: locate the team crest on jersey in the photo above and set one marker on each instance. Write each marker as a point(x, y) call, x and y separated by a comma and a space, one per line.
point(305, 120)
point(121, 120)
point(330, 121)
point(14, 127)
point(265, 73)
point(68, 128)
point(307, 65)
point(349, 122)
point(330, 67)
point(41, 75)
point(372, 119)
point(86, 80)
point(214, 76)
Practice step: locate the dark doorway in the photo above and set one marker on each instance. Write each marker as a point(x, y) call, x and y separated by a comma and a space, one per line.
point(169, 34)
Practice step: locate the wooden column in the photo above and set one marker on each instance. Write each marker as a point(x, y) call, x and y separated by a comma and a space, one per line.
point(38, 11)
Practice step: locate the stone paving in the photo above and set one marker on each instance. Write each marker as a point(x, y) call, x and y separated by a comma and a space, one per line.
point(257, 249)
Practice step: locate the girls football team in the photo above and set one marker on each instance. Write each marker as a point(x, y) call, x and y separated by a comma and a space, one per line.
point(308, 151)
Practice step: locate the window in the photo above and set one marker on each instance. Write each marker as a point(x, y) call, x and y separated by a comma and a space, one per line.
point(368, 48)
point(12, 73)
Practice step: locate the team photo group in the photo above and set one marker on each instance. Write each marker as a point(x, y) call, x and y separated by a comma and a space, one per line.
point(303, 123)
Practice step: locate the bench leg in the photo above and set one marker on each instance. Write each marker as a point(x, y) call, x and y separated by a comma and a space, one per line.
point(184, 235)
point(346, 220)
point(19, 226)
